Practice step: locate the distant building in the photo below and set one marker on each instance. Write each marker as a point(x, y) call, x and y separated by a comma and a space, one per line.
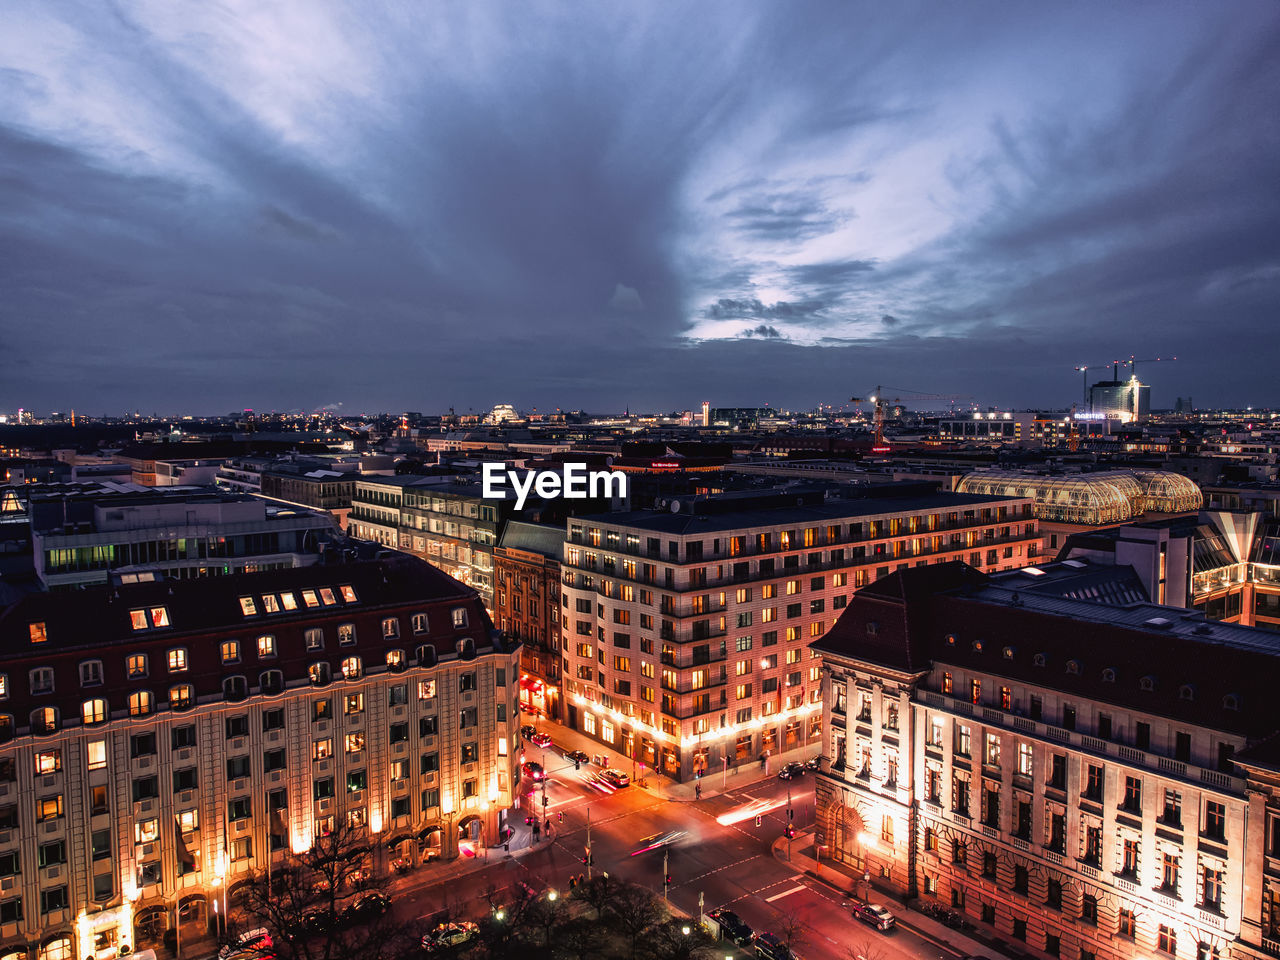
point(1124, 400)
point(527, 606)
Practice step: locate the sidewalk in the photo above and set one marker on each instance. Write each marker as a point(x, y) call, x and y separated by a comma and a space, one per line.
point(839, 876)
point(713, 783)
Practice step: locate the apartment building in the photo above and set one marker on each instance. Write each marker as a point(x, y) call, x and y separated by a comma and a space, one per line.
point(160, 740)
point(84, 538)
point(685, 632)
point(1070, 773)
point(527, 605)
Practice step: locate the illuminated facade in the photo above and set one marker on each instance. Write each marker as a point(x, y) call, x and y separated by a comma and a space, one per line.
point(163, 739)
point(684, 634)
point(1063, 771)
point(1105, 497)
point(527, 606)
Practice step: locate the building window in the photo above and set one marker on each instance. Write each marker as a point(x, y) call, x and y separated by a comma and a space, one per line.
point(1089, 909)
point(182, 697)
point(97, 754)
point(1132, 794)
point(90, 674)
point(390, 628)
point(177, 660)
point(351, 668)
point(266, 647)
point(235, 688)
point(136, 666)
point(1211, 888)
point(420, 623)
point(141, 703)
point(318, 673)
point(459, 615)
point(395, 660)
point(346, 634)
point(1167, 941)
point(1127, 924)
point(1215, 821)
point(314, 638)
point(230, 651)
point(94, 711)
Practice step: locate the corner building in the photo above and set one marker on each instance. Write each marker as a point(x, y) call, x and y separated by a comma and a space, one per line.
point(163, 739)
point(685, 634)
point(1094, 781)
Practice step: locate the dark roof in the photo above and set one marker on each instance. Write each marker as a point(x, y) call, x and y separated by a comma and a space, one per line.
point(101, 614)
point(961, 617)
point(1077, 579)
point(546, 539)
point(691, 524)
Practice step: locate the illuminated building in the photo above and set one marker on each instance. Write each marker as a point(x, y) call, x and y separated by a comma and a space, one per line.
point(1066, 772)
point(685, 631)
point(163, 739)
point(1123, 400)
point(527, 606)
point(84, 538)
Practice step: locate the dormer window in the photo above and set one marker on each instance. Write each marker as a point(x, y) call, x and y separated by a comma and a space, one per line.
point(1108, 675)
point(310, 599)
point(327, 597)
point(38, 632)
point(138, 619)
point(288, 601)
point(1230, 702)
point(247, 606)
point(348, 593)
point(1186, 692)
point(270, 603)
point(159, 617)
point(1073, 666)
point(1147, 683)
point(1038, 660)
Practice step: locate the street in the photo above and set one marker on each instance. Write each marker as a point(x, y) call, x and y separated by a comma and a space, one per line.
point(721, 856)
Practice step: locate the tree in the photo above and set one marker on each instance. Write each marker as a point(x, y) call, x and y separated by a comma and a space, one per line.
point(636, 911)
point(867, 949)
point(598, 892)
point(669, 941)
point(505, 932)
point(791, 930)
point(306, 905)
point(580, 939)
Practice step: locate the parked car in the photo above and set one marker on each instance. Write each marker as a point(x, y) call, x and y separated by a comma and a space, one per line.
point(251, 943)
point(615, 778)
point(874, 915)
point(528, 730)
point(577, 756)
point(770, 947)
point(791, 771)
point(813, 763)
point(541, 739)
point(366, 907)
point(733, 927)
point(449, 935)
point(533, 770)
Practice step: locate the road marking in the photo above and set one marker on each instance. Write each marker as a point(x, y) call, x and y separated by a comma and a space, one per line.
point(786, 893)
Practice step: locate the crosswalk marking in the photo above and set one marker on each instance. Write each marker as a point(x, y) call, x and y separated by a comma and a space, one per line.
point(785, 893)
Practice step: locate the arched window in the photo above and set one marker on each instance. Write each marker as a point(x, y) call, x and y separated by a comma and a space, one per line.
point(234, 688)
point(1007, 653)
point(1186, 692)
point(182, 697)
point(1038, 660)
point(94, 711)
point(318, 673)
point(1108, 675)
point(44, 721)
point(178, 660)
point(426, 655)
point(467, 648)
point(1147, 683)
point(395, 660)
point(1231, 702)
point(271, 682)
point(977, 646)
point(6, 727)
point(1073, 666)
point(351, 668)
point(141, 703)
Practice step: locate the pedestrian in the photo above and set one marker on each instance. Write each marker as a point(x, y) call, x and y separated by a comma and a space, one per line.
point(573, 881)
point(697, 791)
point(581, 876)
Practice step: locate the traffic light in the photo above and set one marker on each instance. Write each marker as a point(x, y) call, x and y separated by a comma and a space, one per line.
point(759, 820)
point(791, 814)
point(791, 832)
point(667, 881)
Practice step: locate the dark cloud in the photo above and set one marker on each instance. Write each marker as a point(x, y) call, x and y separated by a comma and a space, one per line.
point(935, 196)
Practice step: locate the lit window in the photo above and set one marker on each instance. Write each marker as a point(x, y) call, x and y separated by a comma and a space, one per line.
point(177, 660)
point(355, 742)
point(288, 601)
point(159, 617)
point(146, 831)
point(97, 754)
point(395, 660)
point(188, 820)
point(136, 665)
point(459, 618)
point(138, 618)
point(140, 703)
point(502, 746)
point(182, 697)
point(270, 603)
point(44, 720)
point(230, 651)
point(4, 686)
point(93, 712)
point(247, 607)
point(353, 703)
point(348, 593)
point(390, 628)
point(322, 749)
point(49, 808)
point(420, 623)
point(426, 689)
point(318, 673)
point(310, 599)
point(315, 639)
point(39, 634)
point(266, 646)
point(351, 668)
point(48, 761)
point(346, 634)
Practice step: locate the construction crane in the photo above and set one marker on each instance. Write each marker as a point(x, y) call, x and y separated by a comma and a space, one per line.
point(881, 402)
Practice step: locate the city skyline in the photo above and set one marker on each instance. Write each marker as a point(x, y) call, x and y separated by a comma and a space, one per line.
point(425, 208)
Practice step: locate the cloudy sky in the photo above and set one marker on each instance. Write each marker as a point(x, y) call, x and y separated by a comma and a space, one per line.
point(414, 205)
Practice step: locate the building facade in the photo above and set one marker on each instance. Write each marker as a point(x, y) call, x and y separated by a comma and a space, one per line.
point(163, 739)
point(1062, 771)
point(684, 634)
point(527, 606)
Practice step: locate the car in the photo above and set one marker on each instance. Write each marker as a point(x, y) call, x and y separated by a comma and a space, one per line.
point(251, 943)
point(577, 756)
point(317, 922)
point(541, 739)
point(528, 730)
point(615, 778)
point(874, 914)
point(813, 763)
point(366, 907)
point(791, 771)
point(733, 926)
point(449, 935)
point(533, 770)
point(769, 947)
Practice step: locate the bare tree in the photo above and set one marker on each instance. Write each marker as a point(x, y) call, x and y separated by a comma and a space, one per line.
point(791, 929)
point(505, 932)
point(636, 911)
point(321, 904)
point(867, 949)
point(599, 892)
point(580, 939)
point(669, 941)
